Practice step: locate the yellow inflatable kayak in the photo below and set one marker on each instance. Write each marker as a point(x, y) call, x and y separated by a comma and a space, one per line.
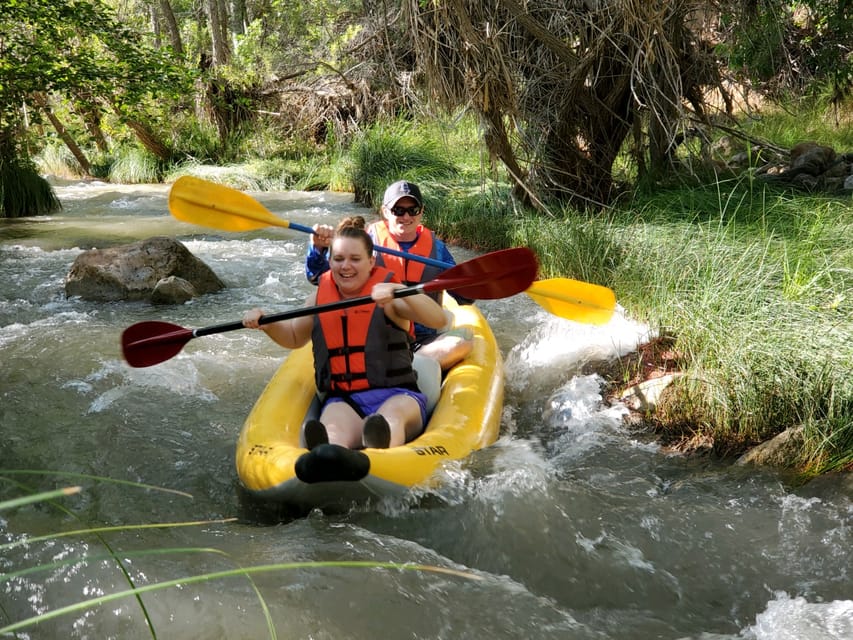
point(274, 466)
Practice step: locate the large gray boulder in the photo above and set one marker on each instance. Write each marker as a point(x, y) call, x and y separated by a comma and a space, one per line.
point(133, 272)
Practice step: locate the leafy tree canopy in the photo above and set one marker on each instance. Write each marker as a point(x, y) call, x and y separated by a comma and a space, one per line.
point(74, 48)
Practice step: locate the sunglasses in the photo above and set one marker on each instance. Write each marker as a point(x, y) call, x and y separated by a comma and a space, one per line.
point(401, 211)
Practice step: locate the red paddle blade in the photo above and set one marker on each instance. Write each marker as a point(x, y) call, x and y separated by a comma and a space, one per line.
point(148, 343)
point(499, 274)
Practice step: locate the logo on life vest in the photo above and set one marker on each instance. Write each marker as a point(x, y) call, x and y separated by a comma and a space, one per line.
point(431, 451)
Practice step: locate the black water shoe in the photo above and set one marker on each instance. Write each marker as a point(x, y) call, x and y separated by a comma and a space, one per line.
point(315, 434)
point(377, 432)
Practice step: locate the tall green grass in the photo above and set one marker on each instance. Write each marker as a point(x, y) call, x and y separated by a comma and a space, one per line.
point(755, 284)
point(56, 160)
point(398, 150)
point(132, 165)
point(807, 119)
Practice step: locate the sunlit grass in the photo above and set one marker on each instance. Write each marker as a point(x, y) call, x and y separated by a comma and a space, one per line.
point(132, 165)
point(808, 119)
point(56, 160)
point(37, 497)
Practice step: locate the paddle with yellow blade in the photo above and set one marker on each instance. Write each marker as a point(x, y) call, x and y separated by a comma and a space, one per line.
point(214, 205)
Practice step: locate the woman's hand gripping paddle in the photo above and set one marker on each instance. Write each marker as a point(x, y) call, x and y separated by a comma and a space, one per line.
point(214, 205)
point(488, 277)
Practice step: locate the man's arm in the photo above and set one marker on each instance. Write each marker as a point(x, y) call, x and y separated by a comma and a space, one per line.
point(316, 263)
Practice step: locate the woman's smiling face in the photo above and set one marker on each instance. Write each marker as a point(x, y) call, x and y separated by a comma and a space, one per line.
point(350, 265)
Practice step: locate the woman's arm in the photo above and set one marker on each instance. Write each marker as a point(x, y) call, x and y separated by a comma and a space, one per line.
point(418, 308)
point(290, 334)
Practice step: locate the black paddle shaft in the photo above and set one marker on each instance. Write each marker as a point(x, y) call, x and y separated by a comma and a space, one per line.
point(305, 311)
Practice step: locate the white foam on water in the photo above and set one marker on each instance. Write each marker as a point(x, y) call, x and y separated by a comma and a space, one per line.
point(559, 348)
point(179, 376)
point(787, 618)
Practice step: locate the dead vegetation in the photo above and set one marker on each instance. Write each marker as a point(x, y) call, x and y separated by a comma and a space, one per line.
point(561, 87)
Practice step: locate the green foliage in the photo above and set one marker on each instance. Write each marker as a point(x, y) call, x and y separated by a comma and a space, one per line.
point(72, 46)
point(193, 140)
point(793, 45)
point(77, 50)
point(290, 35)
point(472, 216)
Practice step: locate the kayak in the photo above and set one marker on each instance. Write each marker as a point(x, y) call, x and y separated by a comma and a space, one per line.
point(273, 466)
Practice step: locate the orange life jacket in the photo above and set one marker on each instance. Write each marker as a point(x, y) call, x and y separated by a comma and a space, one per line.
point(408, 271)
point(359, 348)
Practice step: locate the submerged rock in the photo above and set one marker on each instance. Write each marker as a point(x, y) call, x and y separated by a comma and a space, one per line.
point(172, 290)
point(783, 450)
point(135, 271)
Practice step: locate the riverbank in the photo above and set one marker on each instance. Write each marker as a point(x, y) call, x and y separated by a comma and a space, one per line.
point(752, 282)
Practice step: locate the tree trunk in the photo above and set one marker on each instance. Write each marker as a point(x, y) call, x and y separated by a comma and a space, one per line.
point(149, 140)
point(172, 27)
point(238, 17)
point(91, 116)
point(217, 21)
point(155, 26)
point(581, 151)
point(498, 144)
point(144, 134)
point(76, 151)
point(663, 121)
point(571, 76)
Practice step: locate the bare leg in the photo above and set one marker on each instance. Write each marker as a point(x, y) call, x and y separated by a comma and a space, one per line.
point(449, 348)
point(343, 425)
point(404, 417)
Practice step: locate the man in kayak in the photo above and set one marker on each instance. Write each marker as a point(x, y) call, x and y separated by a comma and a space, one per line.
point(362, 357)
point(401, 229)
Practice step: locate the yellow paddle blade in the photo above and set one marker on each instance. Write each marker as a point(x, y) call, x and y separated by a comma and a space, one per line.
point(574, 300)
point(214, 205)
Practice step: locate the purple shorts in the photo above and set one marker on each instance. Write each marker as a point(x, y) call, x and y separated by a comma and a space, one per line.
point(366, 403)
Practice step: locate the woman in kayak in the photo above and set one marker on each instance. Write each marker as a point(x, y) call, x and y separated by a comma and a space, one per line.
point(362, 354)
point(401, 229)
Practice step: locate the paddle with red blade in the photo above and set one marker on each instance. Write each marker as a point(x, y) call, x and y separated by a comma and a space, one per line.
point(499, 274)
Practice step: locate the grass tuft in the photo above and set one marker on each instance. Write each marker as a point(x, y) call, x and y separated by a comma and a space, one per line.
point(23, 192)
point(132, 165)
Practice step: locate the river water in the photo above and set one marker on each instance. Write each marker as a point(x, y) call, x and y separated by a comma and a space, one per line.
point(570, 527)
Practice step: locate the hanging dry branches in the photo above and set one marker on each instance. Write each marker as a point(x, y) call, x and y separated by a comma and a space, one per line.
point(558, 84)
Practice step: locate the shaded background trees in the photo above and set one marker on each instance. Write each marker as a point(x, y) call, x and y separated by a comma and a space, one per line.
point(561, 88)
